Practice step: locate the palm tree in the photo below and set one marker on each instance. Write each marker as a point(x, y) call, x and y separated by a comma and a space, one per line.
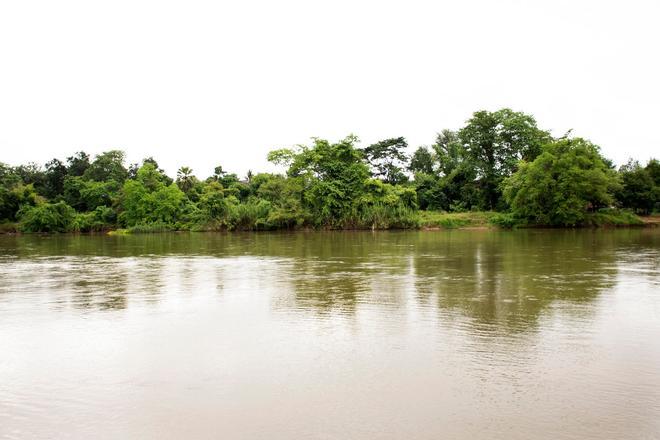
point(185, 179)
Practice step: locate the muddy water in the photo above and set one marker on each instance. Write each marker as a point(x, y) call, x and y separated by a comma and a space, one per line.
point(387, 335)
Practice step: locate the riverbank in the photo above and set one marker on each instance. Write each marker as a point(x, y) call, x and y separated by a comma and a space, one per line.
point(432, 220)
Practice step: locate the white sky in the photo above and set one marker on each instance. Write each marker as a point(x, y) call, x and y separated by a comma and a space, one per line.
point(204, 83)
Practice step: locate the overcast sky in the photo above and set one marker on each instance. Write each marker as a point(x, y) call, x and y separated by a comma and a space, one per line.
point(204, 83)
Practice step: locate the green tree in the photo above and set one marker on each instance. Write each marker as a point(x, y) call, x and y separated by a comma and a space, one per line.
point(86, 195)
point(47, 217)
point(333, 176)
point(653, 168)
point(55, 174)
point(164, 177)
point(329, 184)
point(285, 198)
point(212, 204)
point(638, 190)
point(148, 199)
point(13, 193)
point(387, 160)
point(561, 185)
point(77, 164)
point(449, 151)
point(185, 179)
point(227, 180)
point(152, 177)
point(32, 174)
point(107, 166)
point(462, 190)
point(131, 173)
point(495, 142)
point(421, 161)
point(12, 199)
point(387, 206)
point(8, 176)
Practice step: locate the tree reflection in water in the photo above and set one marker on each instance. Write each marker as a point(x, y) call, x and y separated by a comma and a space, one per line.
point(496, 279)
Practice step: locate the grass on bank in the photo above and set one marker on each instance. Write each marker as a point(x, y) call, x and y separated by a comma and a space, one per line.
point(441, 220)
point(424, 220)
point(485, 219)
point(454, 220)
point(613, 217)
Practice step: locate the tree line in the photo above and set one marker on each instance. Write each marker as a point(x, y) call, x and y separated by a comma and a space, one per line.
point(498, 161)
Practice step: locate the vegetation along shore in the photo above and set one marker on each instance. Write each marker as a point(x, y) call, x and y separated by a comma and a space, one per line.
point(500, 169)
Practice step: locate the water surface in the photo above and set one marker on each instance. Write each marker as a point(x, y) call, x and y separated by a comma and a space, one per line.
point(331, 335)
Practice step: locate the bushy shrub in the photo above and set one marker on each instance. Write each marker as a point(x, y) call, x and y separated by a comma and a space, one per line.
point(384, 206)
point(101, 219)
point(638, 189)
point(569, 179)
point(12, 199)
point(505, 220)
point(382, 216)
point(47, 217)
point(150, 200)
point(252, 215)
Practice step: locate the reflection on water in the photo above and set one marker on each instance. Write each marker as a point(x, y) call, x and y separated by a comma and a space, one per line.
point(492, 277)
point(525, 334)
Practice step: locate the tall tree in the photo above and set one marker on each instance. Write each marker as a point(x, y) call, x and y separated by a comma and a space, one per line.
point(449, 151)
point(77, 164)
point(421, 161)
point(387, 160)
point(185, 179)
point(150, 160)
point(108, 165)
point(495, 142)
point(56, 172)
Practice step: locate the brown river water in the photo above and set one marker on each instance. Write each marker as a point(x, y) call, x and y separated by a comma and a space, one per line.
point(332, 335)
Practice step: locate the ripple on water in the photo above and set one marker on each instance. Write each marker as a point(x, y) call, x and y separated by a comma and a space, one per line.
point(404, 335)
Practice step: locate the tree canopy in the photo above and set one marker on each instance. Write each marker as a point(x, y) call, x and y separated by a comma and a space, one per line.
point(388, 159)
point(498, 160)
point(495, 142)
point(568, 179)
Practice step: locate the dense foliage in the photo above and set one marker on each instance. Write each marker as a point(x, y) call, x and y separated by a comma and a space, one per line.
point(568, 179)
point(498, 162)
point(640, 189)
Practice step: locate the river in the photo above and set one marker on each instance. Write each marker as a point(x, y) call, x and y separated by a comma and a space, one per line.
point(529, 334)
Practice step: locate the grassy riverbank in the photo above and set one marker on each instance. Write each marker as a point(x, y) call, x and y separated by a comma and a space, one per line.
point(434, 220)
point(489, 219)
point(455, 220)
point(438, 220)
